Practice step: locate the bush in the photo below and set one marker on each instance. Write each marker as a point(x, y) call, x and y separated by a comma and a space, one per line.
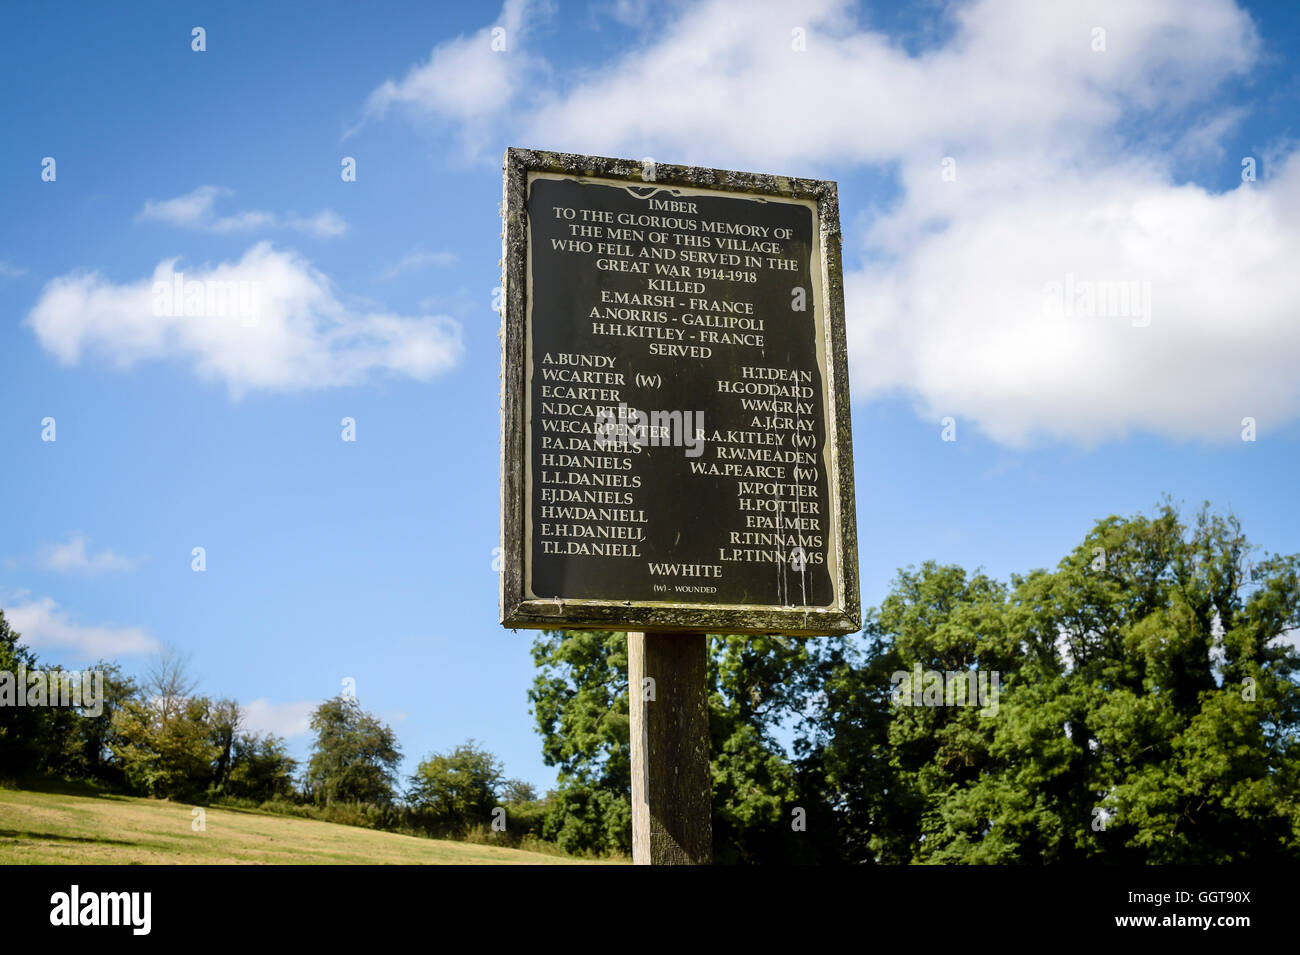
point(457, 791)
point(287, 807)
point(585, 820)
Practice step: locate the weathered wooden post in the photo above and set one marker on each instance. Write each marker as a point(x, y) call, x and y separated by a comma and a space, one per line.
point(675, 438)
point(669, 702)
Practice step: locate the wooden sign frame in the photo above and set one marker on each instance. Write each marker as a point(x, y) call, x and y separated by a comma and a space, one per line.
point(519, 608)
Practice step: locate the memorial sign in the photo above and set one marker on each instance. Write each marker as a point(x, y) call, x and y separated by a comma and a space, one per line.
point(676, 448)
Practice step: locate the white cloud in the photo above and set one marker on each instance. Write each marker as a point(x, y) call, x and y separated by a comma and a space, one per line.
point(268, 322)
point(46, 626)
point(73, 556)
point(967, 320)
point(8, 271)
point(419, 258)
point(324, 225)
point(467, 79)
point(282, 719)
point(195, 210)
point(1065, 160)
point(190, 210)
point(723, 82)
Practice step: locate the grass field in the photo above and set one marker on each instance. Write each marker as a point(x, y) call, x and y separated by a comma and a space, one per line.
point(45, 828)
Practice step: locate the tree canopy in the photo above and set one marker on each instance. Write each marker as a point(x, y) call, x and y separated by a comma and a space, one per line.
point(1144, 707)
point(354, 757)
point(456, 790)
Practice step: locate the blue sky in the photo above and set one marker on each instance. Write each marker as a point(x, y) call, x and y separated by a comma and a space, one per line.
point(372, 559)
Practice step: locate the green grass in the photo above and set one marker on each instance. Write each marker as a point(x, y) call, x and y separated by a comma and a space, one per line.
point(60, 827)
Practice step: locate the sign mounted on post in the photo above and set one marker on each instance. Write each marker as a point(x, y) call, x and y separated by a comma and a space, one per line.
point(676, 447)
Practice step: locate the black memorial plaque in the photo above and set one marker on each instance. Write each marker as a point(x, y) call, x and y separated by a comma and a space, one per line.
point(680, 402)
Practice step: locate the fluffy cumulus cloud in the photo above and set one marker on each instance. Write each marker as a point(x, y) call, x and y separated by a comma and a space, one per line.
point(267, 322)
point(197, 210)
point(45, 626)
point(1054, 279)
point(731, 82)
point(469, 79)
point(1089, 306)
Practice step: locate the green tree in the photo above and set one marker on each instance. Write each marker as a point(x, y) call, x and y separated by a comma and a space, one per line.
point(456, 790)
point(93, 739)
point(77, 742)
point(224, 719)
point(757, 684)
point(260, 767)
point(20, 726)
point(354, 757)
point(163, 739)
point(580, 702)
point(1148, 712)
point(165, 749)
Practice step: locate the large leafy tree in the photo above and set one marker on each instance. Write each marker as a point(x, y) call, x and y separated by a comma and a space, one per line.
point(166, 739)
point(867, 763)
point(579, 700)
point(224, 720)
point(165, 749)
point(581, 704)
point(759, 688)
point(20, 726)
point(1149, 709)
point(456, 790)
point(354, 757)
point(81, 741)
point(260, 767)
